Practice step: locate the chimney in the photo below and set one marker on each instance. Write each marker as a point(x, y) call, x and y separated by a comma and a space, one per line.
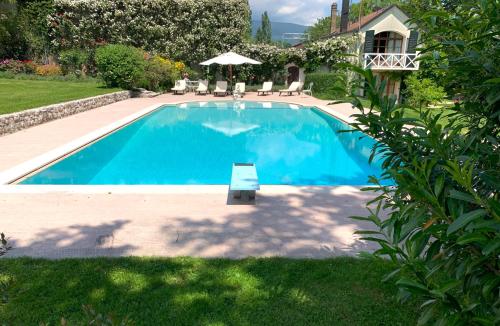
point(344, 17)
point(333, 24)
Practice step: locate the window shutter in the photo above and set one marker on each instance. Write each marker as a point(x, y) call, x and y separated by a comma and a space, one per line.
point(412, 42)
point(369, 41)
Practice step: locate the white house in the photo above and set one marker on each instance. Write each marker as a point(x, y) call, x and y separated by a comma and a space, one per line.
point(387, 42)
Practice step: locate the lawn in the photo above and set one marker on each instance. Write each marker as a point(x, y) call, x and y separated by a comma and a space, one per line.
point(188, 291)
point(17, 95)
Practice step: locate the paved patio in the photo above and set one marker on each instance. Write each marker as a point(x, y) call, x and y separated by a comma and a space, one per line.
point(165, 220)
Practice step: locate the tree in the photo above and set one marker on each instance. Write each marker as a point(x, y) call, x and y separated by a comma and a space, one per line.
point(35, 28)
point(321, 28)
point(12, 41)
point(264, 32)
point(369, 6)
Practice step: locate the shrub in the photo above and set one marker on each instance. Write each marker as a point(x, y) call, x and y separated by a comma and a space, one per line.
point(329, 86)
point(18, 66)
point(120, 65)
point(161, 73)
point(422, 92)
point(48, 70)
point(329, 52)
point(73, 61)
point(441, 222)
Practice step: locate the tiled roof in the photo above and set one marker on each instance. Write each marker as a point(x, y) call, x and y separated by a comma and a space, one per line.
point(352, 27)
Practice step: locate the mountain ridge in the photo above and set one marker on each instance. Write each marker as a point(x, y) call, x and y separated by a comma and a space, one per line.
point(278, 28)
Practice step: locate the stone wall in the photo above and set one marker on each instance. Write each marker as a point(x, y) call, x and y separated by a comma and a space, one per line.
point(16, 121)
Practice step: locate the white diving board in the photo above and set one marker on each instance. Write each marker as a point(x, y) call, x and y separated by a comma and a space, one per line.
point(244, 180)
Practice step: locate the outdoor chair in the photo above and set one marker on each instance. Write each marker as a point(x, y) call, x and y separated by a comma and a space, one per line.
point(267, 88)
point(180, 87)
point(220, 88)
point(202, 87)
point(309, 90)
point(294, 87)
point(240, 88)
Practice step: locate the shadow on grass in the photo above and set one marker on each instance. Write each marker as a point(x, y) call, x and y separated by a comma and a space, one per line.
point(193, 291)
point(188, 291)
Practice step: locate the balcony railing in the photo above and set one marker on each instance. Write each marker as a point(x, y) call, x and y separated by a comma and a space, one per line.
point(391, 61)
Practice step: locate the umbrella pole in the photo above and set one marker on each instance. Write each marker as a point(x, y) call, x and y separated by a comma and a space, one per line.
point(231, 77)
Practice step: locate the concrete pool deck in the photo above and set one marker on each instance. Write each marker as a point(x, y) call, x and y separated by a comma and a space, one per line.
point(84, 221)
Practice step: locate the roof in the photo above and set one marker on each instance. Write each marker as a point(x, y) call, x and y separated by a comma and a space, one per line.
point(355, 26)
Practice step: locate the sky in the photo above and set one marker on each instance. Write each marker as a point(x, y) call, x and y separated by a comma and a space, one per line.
point(303, 12)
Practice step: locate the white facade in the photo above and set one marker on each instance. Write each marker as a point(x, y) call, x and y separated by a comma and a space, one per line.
point(391, 35)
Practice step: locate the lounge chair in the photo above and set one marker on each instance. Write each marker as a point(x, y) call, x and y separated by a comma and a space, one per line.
point(202, 87)
point(294, 87)
point(240, 88)
point(180, 86)
point(267, 88)
point(309, 90)
point(220, 88)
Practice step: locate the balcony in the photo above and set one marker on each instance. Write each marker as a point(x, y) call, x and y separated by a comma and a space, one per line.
point(391, 61)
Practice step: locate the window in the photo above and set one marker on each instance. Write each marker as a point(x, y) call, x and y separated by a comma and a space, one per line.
point(388, 42)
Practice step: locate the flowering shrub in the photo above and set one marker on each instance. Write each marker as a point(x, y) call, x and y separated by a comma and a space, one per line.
point(274, 59)
point(329, 52)
point(18, 66)
point(161, 73)
point(48, 70)
point(191, 30)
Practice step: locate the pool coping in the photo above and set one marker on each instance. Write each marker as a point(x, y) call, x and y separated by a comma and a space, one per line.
point(7, 177)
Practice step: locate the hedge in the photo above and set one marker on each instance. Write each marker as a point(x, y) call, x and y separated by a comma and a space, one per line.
point(190, 30)
point(328, 86)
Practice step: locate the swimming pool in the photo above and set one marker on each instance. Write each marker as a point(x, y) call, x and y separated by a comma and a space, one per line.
point(196, 143)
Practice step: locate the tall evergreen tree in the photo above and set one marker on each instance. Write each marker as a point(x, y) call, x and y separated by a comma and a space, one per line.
point(264, 32)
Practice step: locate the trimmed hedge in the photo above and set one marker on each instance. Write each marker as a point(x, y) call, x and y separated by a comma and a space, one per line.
point(327, 86)
point(190, 30)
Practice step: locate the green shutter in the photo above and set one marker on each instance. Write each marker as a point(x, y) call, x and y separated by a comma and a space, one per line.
point(412, 42)
point(369, 41)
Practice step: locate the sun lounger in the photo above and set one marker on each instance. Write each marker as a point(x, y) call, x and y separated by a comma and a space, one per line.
point(202, 87)
point(294, 87)
point(244, 181)
point(240, 88)
point(180, 87)
point(309, 90)
point(267, 88)
point(220, 88)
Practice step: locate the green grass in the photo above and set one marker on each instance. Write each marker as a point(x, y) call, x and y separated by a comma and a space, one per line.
point(188, 291)
point(17, 95)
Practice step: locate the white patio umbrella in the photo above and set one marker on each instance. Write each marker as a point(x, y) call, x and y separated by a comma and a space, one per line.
point(230, 59)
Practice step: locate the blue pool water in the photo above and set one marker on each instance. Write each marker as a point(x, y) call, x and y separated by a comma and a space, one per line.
point(197, 143)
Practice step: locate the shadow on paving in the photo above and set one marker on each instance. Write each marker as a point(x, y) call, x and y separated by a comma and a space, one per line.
point(74, 241)
point(311, 224)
